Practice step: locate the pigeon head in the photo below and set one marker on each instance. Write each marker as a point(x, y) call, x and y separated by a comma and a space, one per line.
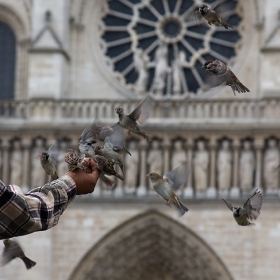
point(154, 176)
point(236, 211)
point(44, 157)
point(119, 110)
point(97, 149)
point(207, 64)
point(203, 9)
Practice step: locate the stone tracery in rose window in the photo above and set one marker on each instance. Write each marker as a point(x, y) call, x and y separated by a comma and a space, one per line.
point(157, 46)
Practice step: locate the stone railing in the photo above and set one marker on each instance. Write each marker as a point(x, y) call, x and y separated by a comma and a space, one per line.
point(231, 146)
point(217, 166)
point(191, 109)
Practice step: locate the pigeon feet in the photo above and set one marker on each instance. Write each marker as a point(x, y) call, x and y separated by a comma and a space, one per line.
point(168, 202)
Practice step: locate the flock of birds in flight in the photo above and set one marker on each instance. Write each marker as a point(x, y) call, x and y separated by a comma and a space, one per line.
point(105, 145)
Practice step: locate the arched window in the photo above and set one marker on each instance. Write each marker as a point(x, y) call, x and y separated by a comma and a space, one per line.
point(7, 61)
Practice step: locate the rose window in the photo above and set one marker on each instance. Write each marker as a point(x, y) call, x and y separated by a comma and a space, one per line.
point(158, 46)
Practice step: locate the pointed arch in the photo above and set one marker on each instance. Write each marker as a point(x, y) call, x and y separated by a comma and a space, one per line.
point(11, 17)
point(150, 246)
point(7, 61)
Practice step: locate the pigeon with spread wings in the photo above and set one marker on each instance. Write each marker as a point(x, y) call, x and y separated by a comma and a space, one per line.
point(116, 139)
point(167, 185)
point(13, 250)
point(137, 117)
point(220, 73)
point(249, 211)
point(110, 154)
point(210, 16)
point(93, 135)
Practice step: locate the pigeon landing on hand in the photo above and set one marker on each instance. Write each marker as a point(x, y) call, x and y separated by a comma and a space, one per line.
point(167, 185)
point(138, 116)
point(13, 250)
point(220, 73)
point(73, 160)
point(49, 162)
point(210, 16)
point(87, 141)
point(113, 146)
point(110, 154)
point(249, 211)
point(106, 166)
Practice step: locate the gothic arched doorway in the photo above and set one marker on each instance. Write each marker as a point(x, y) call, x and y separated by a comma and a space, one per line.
point(150, 246)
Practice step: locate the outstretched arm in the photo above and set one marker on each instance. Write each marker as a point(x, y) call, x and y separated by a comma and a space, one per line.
point(41, 208)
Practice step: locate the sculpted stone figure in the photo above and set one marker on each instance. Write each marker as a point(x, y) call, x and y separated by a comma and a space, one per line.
point(155, 160)
point(201, 162)
point(140, 62)
point(38, 175)
point(246, 167)
point(160, 70)
point(178, 156)
point(16, 164)
point(224, 167)
point(177, 67)
point(131, 168)
point(271, 161)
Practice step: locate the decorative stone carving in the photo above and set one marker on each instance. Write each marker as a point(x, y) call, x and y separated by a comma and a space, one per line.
point(140, 62)
point(38, 175)
point(271, 161)
point(177, 65)
point(246, 167)
point(178, 156)
point(199, 110)
point(160, 70)
point(155, 160)
point(16, 164)
point(224, 164)
point(131, 168)
point(201, 162)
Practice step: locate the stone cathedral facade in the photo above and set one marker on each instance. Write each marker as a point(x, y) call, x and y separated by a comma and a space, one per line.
point(65, 62)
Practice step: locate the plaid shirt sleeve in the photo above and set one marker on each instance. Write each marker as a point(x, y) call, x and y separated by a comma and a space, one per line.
point(38, 210)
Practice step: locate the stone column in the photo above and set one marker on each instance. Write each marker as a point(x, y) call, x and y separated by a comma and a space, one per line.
point(142, 190)
point(212, 191)
point(166, 155)
point(6, 158)
point(235, 190)
point(22, 68)
point(26, 144)
point(259, 144)
point(188, 192)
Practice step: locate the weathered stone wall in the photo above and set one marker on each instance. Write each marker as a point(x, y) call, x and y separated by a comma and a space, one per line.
point(63, 81)
point(247, 252)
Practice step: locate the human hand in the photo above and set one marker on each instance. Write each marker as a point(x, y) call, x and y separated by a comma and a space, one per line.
point(85, 179)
